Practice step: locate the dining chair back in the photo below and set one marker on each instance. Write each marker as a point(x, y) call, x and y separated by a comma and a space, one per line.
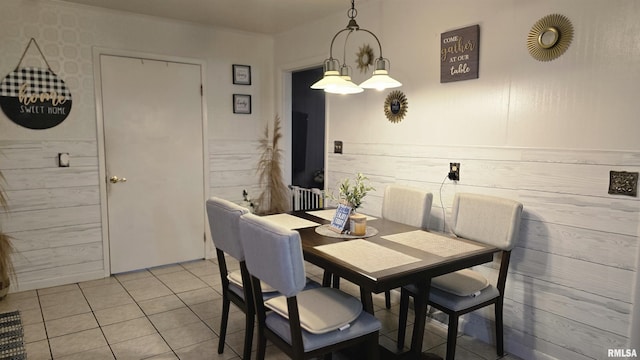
point(406, 205)
point(304, 323)
point(487, 219)
point(223, 218)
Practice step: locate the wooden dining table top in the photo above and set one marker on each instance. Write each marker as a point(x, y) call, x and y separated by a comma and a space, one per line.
point(424, 263)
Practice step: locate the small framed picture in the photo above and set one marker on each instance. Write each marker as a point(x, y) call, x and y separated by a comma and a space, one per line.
point(241, 104)
point(340, 220)
point(242, 74)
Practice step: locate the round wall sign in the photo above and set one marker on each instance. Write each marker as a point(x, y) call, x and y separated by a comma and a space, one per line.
point(35, 98)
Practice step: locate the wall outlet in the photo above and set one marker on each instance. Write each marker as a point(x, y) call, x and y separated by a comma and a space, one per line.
point(454, 171)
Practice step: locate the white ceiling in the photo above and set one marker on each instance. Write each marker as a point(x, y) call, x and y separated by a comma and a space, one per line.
point(261, 16)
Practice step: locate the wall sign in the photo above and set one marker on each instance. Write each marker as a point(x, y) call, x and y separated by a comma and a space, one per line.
point(35, 98)
point(241, 74)
point(459, 51)
point(241, 104)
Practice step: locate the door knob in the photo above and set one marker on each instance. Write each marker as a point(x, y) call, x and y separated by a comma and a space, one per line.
point(114, 179)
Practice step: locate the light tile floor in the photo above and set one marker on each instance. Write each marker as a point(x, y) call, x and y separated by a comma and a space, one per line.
point(169, 312)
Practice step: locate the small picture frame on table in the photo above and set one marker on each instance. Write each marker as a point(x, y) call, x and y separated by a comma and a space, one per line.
point(241, 104)
point(241, 74)
point(341, 219)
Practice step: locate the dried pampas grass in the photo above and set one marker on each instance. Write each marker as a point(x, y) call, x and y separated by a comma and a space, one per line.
point(274, 198)
point(6, 247)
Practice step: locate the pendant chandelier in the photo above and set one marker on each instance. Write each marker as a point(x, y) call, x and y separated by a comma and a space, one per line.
point(337, 79)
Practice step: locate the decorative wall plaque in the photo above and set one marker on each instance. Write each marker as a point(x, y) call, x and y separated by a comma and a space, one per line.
point(241, 74)
point(35, 98)
point(241, 104)
point(623, 183)
point(459, 54)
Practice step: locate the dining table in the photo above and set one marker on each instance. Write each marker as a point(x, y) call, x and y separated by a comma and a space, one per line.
point(388, 256)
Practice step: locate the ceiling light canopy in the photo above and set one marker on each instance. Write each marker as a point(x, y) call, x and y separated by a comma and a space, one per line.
point(337, 78)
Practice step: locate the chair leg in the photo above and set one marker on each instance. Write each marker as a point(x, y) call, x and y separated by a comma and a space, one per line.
point(248, 335)
point(387, 299)
point(223, 323)
point(499, 328)
point(402, 317)
point(373, 351)
point(262, 345)
point(452, 336)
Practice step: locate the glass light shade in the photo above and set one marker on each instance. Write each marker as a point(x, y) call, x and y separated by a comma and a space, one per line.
point(347, 88)
point(331, 78)
point(380, 81)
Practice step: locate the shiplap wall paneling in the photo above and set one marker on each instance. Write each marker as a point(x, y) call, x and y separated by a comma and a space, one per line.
point(54, 216)
point(569, 290)
point(232, 168)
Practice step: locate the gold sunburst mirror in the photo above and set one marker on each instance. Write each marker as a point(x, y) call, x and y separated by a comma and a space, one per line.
point(364, 58)
point(395, 106)
point(550, 37)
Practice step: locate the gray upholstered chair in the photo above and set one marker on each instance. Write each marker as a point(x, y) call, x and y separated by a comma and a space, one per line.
point(486, 219)
point(408, 206)
point(304, 324)
point(223, 221)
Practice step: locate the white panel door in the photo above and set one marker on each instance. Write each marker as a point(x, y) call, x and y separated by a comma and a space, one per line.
point(153, 129)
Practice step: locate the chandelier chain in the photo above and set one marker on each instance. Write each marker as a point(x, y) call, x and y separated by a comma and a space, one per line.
point(352, 13)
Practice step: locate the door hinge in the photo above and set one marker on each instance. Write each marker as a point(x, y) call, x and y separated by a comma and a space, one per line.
point(201, 91)
point(204, 237)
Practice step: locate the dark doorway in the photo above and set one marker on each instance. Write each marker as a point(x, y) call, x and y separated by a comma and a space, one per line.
point(307, 130)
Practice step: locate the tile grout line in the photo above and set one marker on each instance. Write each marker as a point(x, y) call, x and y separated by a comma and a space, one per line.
point(181, 300)
point(44, 324)
point(180, 267)
point(97, 322)
point(146, 315)
point(185, 304)
point(227, 345)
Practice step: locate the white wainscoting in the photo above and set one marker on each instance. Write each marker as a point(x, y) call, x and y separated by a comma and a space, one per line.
point(569, 291)
point(54, 214)
point(232, 168)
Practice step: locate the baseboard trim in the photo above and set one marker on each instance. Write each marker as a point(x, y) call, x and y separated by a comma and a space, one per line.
point(63, 280)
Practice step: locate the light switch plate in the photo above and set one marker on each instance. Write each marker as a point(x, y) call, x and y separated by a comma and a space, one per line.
point(63, 159)
point(337, 147)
